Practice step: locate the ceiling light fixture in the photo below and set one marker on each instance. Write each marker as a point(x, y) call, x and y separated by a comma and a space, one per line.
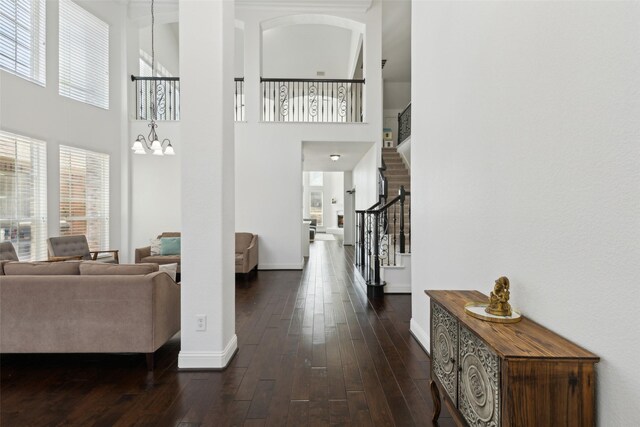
point(334, 157)
point(152, 142)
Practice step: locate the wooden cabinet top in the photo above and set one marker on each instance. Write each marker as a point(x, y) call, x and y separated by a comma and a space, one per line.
point(525, 339)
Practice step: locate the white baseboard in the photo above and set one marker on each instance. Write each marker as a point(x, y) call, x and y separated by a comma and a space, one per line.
point(280, 266)
point(391, 288)
point(208, 359)
point(420, 335)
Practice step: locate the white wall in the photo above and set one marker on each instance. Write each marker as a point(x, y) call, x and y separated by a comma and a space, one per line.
point(333, 189)
point(155, 187)
point(166, 45)
point(39, 112)
point(527, 114)
point(299, 51)
point(365, 178)
point(397, 95)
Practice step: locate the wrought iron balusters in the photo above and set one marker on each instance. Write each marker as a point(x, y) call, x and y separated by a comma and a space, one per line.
point(311, 100)
point(404, 124)
point(380, 234)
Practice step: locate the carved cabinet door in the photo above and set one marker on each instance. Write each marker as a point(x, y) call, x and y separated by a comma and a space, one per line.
point(478, 384)
point(444, 350)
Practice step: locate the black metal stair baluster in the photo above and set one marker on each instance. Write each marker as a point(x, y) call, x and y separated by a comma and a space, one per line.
point(402, 238)
point(376, 248)
point(395, 211)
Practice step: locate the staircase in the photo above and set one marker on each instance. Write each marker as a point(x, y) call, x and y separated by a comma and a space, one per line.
point(397, 175)
point(398, 276)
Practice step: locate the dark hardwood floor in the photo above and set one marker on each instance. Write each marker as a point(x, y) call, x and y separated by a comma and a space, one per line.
point(313, 350)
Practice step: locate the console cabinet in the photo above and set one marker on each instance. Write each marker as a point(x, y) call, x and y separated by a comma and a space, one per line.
point(506, 375)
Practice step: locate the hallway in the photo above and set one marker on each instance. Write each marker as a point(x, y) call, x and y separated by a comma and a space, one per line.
point(312, 351)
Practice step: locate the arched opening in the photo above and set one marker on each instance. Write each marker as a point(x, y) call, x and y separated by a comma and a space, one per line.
point(311, 69)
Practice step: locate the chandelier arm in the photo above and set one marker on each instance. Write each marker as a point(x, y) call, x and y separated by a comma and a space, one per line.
point(142, 139)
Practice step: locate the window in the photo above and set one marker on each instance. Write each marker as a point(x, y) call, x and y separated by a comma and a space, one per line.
point(23, 195)
point(22, 39)
point(84, 195)
point(315, 207)
point(84, 56)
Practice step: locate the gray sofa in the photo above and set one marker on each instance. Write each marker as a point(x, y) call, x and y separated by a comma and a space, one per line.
point(86, 307)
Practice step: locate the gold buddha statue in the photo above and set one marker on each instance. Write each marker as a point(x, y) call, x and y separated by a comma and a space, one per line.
point(499, 299)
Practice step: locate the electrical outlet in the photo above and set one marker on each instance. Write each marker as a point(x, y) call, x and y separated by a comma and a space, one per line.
point(201, 322)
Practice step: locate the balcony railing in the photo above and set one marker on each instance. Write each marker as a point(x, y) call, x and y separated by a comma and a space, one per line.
point(166, 91)
point(404, 124)
point(309, 100)
point(284, 100)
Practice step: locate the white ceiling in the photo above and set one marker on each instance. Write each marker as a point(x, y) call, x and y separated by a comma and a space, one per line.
point(315, 155)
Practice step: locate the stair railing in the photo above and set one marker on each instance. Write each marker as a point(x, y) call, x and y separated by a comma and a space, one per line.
point(404, 124)
point(380, 235)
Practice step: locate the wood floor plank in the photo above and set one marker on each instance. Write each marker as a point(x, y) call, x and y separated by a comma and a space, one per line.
point(298, 413)
point(339, 412)
point(261, 400)
point(358, 409)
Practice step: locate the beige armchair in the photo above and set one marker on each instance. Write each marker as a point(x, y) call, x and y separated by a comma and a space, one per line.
point(246, 252)
point(76, 247)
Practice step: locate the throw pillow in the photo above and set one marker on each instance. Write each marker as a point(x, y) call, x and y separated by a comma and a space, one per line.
point(170, 246)
point(170, 269)
point(155, 247)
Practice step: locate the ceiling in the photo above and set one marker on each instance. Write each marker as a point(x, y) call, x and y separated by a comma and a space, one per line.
point(315, 155)
point(396, 40)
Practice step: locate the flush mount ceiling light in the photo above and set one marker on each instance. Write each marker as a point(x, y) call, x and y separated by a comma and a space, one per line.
point(152, 142)
point(334, 157)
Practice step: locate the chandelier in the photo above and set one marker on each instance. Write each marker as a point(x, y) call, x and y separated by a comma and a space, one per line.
point(152, 142)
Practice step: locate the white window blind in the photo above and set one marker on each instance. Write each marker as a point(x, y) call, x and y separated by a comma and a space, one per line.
point(84, 195)
point(23, 195)
point(22, 39)
point(84, 56)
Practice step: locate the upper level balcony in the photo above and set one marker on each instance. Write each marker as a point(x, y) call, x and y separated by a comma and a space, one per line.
point(283, 100)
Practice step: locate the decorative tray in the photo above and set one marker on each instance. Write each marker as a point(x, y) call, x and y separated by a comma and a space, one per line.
point(477, 309)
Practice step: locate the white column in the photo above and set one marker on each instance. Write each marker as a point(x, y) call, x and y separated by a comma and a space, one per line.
point(207, 133)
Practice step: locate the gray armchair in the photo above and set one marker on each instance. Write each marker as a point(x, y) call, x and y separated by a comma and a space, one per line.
point(70, 247)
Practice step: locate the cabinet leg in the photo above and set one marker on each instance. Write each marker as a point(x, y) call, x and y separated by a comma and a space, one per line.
point(437, 404)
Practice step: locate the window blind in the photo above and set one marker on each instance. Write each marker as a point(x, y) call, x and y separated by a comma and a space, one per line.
point(84, 195)
point(84, 56)
point(23, 38)
point(23, 195)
